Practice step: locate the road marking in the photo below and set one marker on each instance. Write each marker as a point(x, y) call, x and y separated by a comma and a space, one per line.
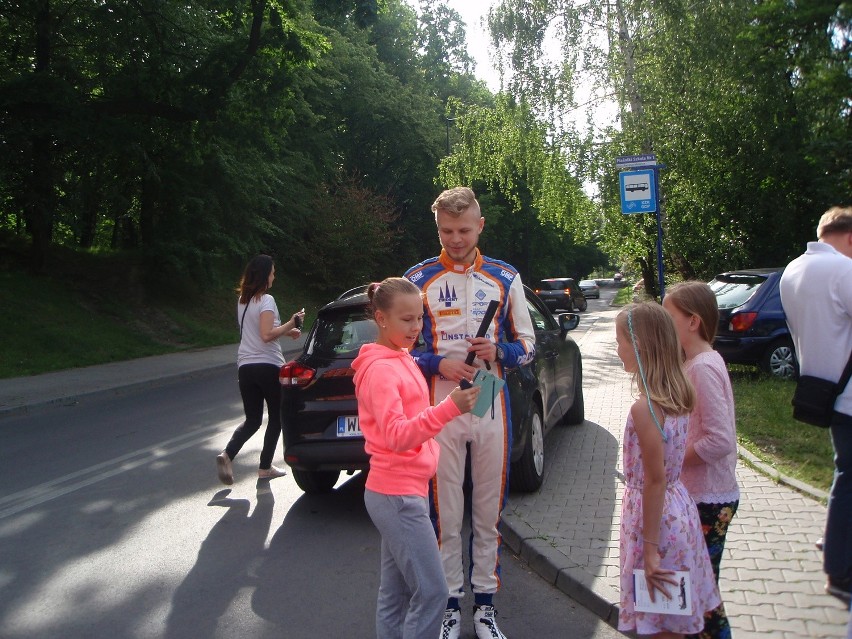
point(55, 488)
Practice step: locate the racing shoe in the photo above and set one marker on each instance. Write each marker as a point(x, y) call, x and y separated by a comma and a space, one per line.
point(485, 623)
point(451, 624)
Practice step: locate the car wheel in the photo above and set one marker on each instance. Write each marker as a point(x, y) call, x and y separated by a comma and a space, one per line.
point(582, 305)
point(779, 359)
point(528, 472)
point(577, 413)
point(316, 482)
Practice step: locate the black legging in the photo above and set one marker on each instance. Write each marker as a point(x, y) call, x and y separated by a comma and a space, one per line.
point(258, 383)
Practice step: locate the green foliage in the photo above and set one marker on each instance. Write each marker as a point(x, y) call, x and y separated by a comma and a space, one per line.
point(93, 309)
point(346, 216)
point(746, 103)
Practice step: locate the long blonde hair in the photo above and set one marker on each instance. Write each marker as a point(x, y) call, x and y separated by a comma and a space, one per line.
point(660, 372)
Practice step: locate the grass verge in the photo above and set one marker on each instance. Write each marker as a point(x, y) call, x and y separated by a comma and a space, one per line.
point(766, 428)
point(93, 309)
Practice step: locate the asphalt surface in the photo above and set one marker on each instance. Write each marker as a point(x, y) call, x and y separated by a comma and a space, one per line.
point(771, 579)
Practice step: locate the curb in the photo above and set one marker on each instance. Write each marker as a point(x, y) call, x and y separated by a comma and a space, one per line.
point(559, 570)
point(114, 391)
point(773, 473)
point(124, 381)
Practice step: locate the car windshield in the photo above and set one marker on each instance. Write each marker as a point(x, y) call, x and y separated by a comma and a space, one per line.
point(554, 285)
point(341, 333)
point(734, 289)
point(588, 283)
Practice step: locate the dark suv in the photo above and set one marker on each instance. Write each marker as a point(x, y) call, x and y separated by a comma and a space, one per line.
point(752, 325)
point(319, 413)
point(561, 293)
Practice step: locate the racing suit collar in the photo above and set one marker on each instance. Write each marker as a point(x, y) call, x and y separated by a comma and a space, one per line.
point(457, 267)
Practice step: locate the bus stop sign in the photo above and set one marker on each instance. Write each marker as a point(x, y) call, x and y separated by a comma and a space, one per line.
point(638, 192)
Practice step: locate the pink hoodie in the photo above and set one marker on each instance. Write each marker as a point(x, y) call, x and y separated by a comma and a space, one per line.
point(397, 421)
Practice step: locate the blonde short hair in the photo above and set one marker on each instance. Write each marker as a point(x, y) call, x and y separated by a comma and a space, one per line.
point(837, 219)
point(455, 201)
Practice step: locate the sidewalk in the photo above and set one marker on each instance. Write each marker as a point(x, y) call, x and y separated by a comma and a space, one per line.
point(772, 580)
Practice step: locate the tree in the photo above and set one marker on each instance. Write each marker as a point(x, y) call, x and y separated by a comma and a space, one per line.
point(741, 100)
point(143, 94)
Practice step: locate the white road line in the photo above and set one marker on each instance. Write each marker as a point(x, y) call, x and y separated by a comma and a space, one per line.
point(30, 497)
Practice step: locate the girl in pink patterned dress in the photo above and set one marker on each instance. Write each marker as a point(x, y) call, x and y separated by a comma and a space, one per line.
point(660, 528)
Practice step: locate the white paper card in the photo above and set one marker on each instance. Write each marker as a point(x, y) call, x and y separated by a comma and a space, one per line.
point(679, 601)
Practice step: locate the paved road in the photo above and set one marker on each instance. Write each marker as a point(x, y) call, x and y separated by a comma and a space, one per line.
point(113, 525)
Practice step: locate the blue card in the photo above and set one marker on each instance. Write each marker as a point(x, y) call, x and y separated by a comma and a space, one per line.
point(490, 386)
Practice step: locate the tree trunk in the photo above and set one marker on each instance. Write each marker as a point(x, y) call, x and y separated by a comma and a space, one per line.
point(40, 194)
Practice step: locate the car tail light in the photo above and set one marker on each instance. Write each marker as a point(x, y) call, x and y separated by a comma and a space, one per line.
point(537, 291)
point(742, 321)
point(296, 374)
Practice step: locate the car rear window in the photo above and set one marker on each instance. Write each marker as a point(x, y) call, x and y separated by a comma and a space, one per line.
point(735, 289)
point(553, 285)
point(341, 333)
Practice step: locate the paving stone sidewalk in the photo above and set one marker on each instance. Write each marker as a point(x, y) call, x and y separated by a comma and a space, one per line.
point(771, 579)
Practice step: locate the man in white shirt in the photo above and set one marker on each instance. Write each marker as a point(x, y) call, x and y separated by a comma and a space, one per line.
point(816, 292)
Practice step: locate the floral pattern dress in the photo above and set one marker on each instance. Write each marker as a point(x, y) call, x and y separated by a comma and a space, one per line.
point(681, 539)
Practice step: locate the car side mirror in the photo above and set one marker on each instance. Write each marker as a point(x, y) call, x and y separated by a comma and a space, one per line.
point(569, 321)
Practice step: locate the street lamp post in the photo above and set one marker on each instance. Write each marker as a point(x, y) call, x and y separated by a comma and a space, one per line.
point(448, 120)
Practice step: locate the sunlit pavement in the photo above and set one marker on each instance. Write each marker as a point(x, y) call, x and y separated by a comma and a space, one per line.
point(772, 580)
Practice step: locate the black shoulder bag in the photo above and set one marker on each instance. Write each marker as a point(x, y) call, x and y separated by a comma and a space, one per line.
point(814, 397)
point(244, 319)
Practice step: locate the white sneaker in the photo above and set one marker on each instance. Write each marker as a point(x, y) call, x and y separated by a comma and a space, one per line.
point(485, 623)
point(451, 625)
point(270, 473)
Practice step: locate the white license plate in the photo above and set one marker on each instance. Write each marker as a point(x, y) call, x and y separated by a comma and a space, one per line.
point(348, 426)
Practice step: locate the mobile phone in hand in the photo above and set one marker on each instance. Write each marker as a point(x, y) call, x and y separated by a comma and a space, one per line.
point(298, 319)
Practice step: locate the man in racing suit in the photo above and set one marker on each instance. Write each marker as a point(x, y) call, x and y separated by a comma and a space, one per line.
point(457, 288)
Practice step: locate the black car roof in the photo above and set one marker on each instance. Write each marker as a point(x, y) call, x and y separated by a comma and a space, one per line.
point(348, 299)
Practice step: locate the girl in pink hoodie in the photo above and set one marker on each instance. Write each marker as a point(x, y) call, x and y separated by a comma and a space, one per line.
point(399, 424)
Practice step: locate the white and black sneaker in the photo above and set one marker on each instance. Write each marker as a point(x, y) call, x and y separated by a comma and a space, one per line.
point(485, 623)
point(451, 625)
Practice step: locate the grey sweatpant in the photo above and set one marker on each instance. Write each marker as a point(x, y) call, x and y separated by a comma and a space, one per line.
point(412, 589)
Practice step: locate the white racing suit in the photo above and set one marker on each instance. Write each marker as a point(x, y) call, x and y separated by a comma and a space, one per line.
point(455, 299)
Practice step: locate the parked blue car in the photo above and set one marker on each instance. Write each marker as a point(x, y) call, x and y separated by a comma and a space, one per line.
point(752, 325)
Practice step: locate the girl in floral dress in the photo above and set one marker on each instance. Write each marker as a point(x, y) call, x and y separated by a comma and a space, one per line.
point(660, 527)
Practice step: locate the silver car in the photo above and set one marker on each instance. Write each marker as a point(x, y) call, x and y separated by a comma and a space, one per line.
point(590, 288)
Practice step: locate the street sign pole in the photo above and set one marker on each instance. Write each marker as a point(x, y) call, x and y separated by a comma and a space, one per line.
point(659, 214)
point(642, 169)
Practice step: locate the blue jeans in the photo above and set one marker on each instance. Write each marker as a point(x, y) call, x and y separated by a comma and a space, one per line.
point(837, 544)
point(412, 588)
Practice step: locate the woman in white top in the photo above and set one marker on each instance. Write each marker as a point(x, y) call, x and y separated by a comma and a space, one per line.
point(259, 360)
